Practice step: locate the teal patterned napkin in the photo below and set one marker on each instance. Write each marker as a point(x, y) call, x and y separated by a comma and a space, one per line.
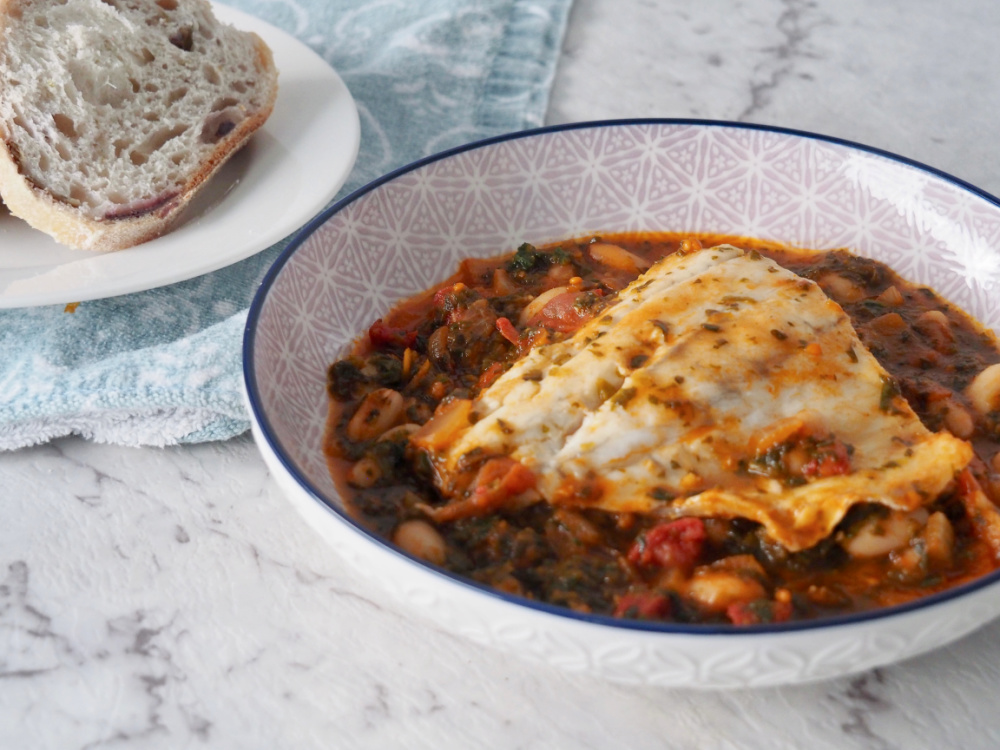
point(163, 366)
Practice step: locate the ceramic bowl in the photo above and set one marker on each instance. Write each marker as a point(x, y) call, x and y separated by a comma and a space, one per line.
point(409, 229)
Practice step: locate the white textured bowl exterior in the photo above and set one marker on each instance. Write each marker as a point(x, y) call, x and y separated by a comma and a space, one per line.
point(406, 232)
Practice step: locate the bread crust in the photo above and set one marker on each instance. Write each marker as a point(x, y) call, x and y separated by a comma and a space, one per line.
point(70, 226)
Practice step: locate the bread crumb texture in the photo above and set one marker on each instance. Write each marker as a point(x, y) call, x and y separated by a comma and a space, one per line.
point(115, 107)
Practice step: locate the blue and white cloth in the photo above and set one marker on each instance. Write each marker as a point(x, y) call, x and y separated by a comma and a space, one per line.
point(164, 366)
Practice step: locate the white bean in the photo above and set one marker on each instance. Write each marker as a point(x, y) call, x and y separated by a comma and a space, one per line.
point(745, 565)
point(984, 390)
point(937, 317)
point(616, 257)
point(376, 413)
point(365, 473)
point(421, 539)
point(891, 296)
point(935, 326)
point(889, 324)
point(958, 421)
point(840, 288)
point(939, 537)
point(714, 590)
point(877, 535)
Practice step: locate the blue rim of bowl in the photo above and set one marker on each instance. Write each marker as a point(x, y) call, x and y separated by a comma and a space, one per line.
point(666, 628)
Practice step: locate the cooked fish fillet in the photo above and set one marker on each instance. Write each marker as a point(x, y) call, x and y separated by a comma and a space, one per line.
point(668, 401)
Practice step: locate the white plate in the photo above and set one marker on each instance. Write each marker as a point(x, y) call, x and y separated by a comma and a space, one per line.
point(289, 171)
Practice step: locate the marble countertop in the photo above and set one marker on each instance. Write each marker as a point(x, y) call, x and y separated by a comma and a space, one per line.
point(172, 599)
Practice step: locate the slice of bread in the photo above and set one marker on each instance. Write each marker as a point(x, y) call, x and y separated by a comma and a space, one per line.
point(113, 113)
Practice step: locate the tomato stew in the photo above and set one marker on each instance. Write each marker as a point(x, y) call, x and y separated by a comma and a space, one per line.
point(457, 338)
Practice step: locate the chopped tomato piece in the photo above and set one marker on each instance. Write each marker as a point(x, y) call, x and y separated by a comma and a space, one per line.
point(508, 331)
point(455, 300)
point(674, 544)
point(499, 479)
point(564, 313)
point(829, 460)
point(387, 337)
point(643, 605)
point(442, 294)
point(487, 376)
point(967, 483)
point(523, 341)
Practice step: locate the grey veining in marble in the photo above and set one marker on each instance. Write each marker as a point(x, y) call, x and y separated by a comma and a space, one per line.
point(918, 79)
point(167, 598)
point(171, 599)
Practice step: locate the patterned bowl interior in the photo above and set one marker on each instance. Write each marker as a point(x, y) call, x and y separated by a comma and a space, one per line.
point(409, 230)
